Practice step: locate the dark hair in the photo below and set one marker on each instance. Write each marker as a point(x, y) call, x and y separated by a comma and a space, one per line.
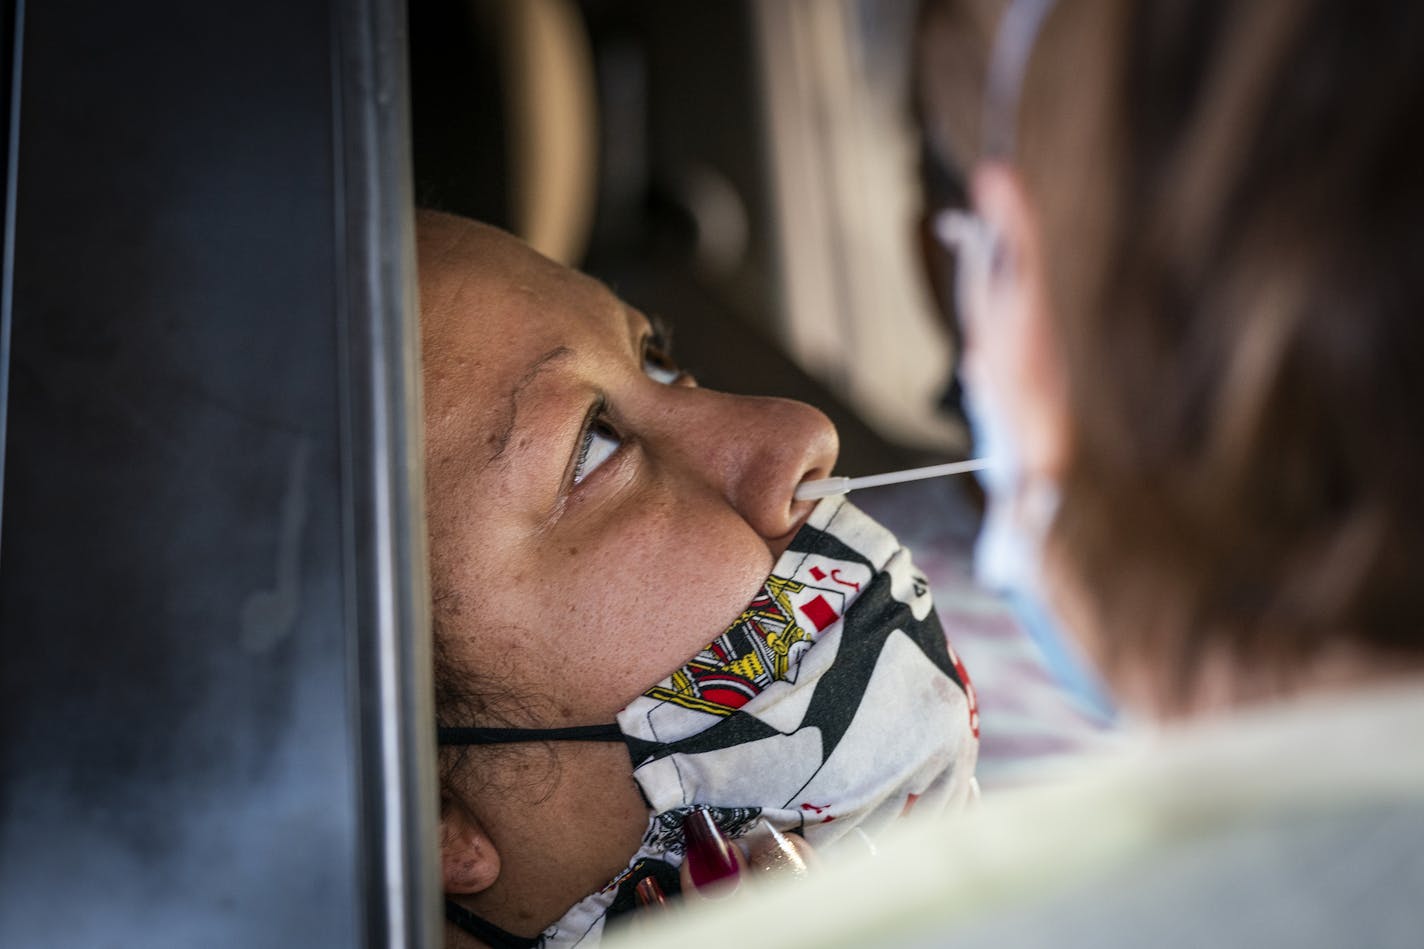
point(459, 702)
point(1233, 225)
point(467, 694)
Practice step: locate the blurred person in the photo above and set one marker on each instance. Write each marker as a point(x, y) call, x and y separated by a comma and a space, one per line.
point(647, 652)
point(1191, 296)
point(1191, 341)
point(950, 49)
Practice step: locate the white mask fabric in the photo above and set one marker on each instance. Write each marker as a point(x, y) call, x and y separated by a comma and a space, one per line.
point(834, 701)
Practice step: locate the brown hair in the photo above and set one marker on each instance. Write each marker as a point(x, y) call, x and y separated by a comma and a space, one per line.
point(1233, 223)
point(949, 59)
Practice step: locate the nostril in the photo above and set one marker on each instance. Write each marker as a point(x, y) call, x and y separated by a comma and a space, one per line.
point(799, 514)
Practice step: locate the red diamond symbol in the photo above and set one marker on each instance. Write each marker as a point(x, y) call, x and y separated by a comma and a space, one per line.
point(818, 611)
point(818, 573)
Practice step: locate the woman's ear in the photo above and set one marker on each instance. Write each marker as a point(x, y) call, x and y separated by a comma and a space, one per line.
point(1020, 353)
point(469, 861)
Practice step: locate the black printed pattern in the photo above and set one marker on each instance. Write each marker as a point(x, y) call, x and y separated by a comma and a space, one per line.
point(665, 834)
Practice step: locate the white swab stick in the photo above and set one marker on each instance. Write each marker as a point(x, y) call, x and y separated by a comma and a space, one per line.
point(825, 487)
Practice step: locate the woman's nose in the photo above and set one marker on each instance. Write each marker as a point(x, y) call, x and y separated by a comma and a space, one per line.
point(759, 449)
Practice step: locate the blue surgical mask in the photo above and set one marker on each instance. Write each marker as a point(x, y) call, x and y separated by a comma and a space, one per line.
point(1008, 554)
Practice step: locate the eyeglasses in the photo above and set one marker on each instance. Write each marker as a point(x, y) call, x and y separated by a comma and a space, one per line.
point(973, 241)
point(1008, 64)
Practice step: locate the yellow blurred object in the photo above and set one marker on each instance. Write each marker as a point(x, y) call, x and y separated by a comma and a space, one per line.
point(547, 65)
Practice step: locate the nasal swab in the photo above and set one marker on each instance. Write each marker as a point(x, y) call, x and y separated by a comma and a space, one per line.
point(826, 487)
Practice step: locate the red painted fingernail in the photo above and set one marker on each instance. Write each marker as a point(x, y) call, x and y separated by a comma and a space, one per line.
point(710, 857)
point(649, 893)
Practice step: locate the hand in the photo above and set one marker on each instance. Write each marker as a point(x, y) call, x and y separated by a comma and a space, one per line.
point(715, 866)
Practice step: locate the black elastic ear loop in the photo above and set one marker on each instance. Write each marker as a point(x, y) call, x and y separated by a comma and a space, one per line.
point(502, 736)
point(484, 930)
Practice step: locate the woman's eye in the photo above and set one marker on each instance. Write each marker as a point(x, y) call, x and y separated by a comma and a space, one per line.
point(660, 366)
point(599, 444)
point(657, 354)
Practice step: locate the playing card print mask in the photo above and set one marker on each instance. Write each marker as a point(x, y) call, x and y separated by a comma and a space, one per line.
point(831, 706)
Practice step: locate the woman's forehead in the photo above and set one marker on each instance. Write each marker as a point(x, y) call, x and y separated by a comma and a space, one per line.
point(471, 271)
point(482, 289)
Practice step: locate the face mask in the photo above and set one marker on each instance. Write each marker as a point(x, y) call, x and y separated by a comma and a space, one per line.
point(1008, 555)
point(830, 707)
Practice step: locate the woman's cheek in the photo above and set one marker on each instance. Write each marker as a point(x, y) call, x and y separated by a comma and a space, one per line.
point(651, 605)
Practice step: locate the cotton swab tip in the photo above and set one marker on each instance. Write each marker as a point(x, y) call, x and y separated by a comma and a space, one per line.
point(822, 488)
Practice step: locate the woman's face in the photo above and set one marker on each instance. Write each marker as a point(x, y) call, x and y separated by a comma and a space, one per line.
point(595, 518)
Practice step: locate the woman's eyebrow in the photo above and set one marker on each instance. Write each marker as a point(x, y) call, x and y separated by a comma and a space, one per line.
point(661, 331)
point(511, 418)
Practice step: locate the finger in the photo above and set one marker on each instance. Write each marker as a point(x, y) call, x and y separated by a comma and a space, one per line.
point(777, 853)
point(649, 894)
point(714, 865)
point(653, 905)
